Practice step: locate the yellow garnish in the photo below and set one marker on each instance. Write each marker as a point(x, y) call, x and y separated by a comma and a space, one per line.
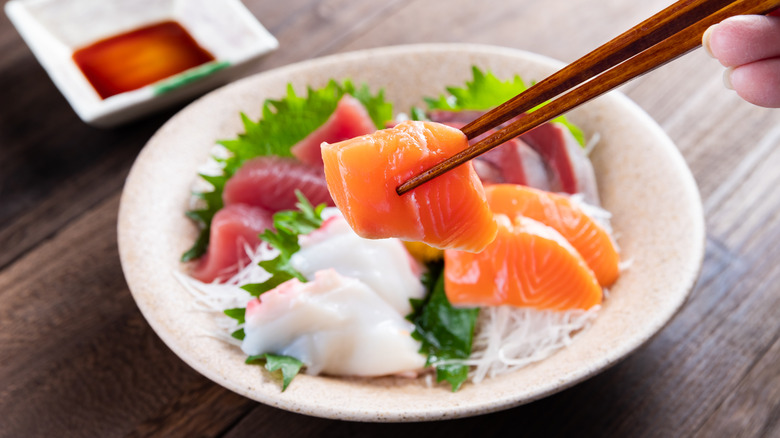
point(422, 252)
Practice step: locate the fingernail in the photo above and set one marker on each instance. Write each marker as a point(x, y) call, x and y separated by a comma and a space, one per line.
point(727, 78)
point(705, 40)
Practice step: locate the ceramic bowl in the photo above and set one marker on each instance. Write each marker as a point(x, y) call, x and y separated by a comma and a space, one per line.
point(54, 29)
point(643, 181)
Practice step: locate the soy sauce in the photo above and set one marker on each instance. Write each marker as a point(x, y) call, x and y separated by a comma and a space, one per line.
point(140, 57)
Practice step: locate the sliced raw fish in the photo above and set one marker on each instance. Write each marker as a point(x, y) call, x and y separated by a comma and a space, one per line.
point(349, 120)
point(455, 117)
point(565, 166)
point(590, 239)
point(514, 162)
point(528, 265)
point(570, 169)
point(335, 325)
point(447, 212)
point(270, 183)
point(233, 229)
point(382, 264)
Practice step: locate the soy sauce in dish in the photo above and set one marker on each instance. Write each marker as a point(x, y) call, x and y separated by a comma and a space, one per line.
point(134, 59)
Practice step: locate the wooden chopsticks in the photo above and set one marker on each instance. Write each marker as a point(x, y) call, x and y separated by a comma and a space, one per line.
point(654, 42)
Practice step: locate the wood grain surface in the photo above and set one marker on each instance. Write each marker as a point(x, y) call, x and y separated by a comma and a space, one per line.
point(78, 359)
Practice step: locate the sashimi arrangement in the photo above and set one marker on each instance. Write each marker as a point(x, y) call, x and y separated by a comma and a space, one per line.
point(313, 263)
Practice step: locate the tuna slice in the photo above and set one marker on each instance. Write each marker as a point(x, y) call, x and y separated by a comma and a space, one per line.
point(349, 120)
point(233, 229)
point(559, 165)
point(514, 162)
point(570, 169)
point(270, 183)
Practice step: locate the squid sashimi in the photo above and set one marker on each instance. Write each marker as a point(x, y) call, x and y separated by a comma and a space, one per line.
point(383, 264)
point(233, 229)
point(589, 238)
point(528, 265)
point(447, 212)
point(335, 325)
point(270, 182)
point(571, 170)
point(350, 120)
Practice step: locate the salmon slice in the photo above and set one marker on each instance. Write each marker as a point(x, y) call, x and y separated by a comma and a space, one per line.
point(592, 241)
point(448, 212)
point(528, 265)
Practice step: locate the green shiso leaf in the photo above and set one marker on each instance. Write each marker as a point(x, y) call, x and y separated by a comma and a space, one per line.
point(289, 224)
point(287, 365)
point(238, 334)
point(483, 92)
point(446, 333)
point(486, 91)
point(284, 123)
point(237, 313)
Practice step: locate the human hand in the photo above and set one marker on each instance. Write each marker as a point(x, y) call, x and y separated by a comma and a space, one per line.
point(749, 46)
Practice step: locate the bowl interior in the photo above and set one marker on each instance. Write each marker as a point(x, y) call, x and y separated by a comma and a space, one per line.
point(643, 181)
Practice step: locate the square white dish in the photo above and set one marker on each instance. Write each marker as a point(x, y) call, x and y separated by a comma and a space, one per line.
point(54, 29)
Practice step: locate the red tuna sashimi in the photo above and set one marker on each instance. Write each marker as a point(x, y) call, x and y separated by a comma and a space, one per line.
point(514, 162)
point(571, 170)
point(460, 117)
point(565, 168)
point(270, 183)
point(232, 229)
point(349, 120)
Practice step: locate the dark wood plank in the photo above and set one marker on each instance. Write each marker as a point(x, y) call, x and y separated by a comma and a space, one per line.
point(79, 357)
point(307, 29)
point(754, 408)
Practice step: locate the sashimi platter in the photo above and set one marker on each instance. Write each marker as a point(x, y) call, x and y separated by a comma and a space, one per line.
point(262, 237)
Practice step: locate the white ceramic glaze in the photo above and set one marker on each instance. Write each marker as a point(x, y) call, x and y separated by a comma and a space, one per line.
point(54, 29)
point(643, 181)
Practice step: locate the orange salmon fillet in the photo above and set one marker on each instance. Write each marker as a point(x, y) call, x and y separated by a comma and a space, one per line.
point(558, 212)
point(448, 212)
point(528, 265)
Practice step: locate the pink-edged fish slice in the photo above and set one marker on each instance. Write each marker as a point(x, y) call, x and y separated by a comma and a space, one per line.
point(661, 38)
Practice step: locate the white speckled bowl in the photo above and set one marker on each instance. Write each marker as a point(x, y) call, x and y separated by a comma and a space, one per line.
point(643, 181)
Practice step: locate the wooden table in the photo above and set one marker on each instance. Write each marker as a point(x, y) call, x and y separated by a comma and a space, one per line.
point(78, 359)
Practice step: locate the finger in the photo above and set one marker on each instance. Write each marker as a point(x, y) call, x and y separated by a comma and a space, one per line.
point(757, 82)
point(744, 39)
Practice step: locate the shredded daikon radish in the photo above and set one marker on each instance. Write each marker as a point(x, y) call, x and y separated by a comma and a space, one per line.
point(216, 297)
point(509, 338)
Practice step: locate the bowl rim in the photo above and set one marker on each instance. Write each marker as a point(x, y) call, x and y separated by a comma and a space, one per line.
point(451, 408)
